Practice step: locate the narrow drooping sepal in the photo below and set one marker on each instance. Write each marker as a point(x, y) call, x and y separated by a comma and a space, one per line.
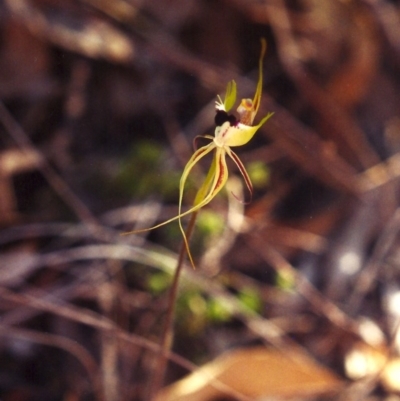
point(243, 172)
point(214, 182)
point(197, 155)
point(218, 176)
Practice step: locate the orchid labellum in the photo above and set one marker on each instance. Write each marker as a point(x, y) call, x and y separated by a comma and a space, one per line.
point(230, 131)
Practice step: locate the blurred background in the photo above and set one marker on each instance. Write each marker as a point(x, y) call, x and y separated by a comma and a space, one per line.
point(100, 103)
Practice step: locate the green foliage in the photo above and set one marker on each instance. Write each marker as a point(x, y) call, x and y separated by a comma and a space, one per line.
point(210, 223)
point(259, 174)
point(285, 280)
point(218, 311)
point(251, 299)
point(191, 308)
point(158, 282)
point(141, 173)
point(195, 310)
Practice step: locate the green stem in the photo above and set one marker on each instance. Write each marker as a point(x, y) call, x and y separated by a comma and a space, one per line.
point(168, 331)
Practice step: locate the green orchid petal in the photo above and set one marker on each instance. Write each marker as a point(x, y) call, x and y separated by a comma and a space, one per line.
point(201, 194)
point(205, 187)
point(248, 108)
point(241, 134)
point(230, 95)
point(215, 180)
point(197, 155)
point(258, 94)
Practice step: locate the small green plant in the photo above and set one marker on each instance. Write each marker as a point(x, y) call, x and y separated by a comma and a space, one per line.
point(230, 132)
point(259, 173)
point(251, 299)
point(285, 280)
point(142, 165)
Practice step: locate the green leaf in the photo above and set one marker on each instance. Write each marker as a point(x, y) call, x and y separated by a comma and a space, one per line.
point(285, 280)
point(210, 223)
point(158, 282)
point(250, 298)
point(218, 310)
point(259, 174)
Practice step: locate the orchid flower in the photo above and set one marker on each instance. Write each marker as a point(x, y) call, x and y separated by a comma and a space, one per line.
point(230, 131)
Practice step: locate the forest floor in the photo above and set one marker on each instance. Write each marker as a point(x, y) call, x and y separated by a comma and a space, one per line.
point(295, 294)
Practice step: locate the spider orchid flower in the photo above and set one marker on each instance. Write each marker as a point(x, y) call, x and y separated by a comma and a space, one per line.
point(230, 131)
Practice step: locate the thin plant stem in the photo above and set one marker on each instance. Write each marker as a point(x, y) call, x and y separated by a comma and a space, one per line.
point(167, 335)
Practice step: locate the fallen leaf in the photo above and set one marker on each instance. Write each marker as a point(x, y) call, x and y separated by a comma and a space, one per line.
point(254, 373)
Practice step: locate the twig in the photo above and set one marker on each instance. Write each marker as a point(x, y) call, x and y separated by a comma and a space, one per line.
point(64, 343)
point(157, 380)
point(340, 122)
point(303, 286)
point(54, 180)
point(369, 273)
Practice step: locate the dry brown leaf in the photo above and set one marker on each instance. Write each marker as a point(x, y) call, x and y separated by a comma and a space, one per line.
point(254, 373)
